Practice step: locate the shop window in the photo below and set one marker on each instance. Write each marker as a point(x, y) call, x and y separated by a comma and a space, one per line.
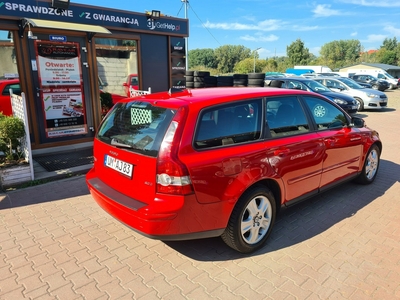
point(117, 64)
point(8, 62)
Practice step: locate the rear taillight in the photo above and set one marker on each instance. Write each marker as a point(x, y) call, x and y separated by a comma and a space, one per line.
point(172, 175)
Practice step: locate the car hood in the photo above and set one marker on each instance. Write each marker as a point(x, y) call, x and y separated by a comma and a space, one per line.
point(333, 95)
point(372, 91)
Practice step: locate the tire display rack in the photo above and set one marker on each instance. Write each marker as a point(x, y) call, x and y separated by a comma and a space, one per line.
point(203, 79)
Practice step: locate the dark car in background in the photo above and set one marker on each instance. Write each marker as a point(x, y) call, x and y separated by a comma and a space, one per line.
point(376, 84)
point(348, 103)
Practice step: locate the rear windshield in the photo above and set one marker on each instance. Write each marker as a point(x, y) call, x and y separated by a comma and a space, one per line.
point(136, 126)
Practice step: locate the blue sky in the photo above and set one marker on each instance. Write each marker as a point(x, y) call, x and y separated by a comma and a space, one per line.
point(273, 25)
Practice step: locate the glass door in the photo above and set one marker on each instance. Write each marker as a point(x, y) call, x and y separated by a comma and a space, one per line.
point(60, 78)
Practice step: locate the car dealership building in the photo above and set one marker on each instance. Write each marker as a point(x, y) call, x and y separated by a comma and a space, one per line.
point(66, 54)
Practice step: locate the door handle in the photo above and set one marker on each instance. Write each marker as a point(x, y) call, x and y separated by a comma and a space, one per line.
point(281, 152)
point(331, 141)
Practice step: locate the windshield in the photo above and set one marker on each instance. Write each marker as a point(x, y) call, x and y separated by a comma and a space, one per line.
point(351, 83)
point(316, 86)
point(136, 126)
point(388, 75)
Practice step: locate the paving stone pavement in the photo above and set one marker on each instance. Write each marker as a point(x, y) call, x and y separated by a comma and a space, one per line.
point(56, 243)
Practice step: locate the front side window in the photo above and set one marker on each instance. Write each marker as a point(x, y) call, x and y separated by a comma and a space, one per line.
point(136, 126)
point(285, 116)
point(325, 114)
point(15, 88)
point(237, 122)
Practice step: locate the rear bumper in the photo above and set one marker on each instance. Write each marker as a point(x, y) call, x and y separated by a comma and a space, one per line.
point(183, 218)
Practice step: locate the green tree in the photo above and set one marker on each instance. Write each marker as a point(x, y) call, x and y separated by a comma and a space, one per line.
point(385, 56)
point(202, 57)
point(247, 65)
point(297, 53)
point(340, 53)
point(244, 66)
point(390, 44)
point(271, 65)
point(229, 55)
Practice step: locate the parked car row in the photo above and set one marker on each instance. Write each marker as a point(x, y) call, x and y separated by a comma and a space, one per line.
point(338, 89)
point(376, 84)
point(348, 103)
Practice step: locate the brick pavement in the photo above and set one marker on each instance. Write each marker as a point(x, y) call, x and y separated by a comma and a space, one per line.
point(56, 243)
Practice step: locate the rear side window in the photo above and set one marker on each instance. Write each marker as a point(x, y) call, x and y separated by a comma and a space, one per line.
point(136, 126)
point(285, 117)
point(238, 122)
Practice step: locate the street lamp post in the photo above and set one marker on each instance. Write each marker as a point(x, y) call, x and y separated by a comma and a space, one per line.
point(186, 38)
point(254, 65)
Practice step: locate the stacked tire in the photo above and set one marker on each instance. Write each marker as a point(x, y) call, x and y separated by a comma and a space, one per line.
point(224, 81)
point(189, 75)
point(256, 79)
point(240, 80)
point(210, 81)
point(199, 78)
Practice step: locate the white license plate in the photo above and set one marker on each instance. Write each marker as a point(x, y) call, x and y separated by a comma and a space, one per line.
point(118, 165)
point(354, 107)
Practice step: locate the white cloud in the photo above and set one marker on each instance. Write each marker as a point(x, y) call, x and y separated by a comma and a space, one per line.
point(373, 38)
point(354, 33)
point(373, 3)
point(266, 25)
point(324, 10)
point(305, 28)
point(259, 38)
point(392, 30)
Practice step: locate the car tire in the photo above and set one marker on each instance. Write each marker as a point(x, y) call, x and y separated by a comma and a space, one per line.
point(360, 104)
point(251, 221)
point(256, 76)
point(371, 166)
point(319, 111)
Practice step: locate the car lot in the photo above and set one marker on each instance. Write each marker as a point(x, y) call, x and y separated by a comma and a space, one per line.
point(344, 244)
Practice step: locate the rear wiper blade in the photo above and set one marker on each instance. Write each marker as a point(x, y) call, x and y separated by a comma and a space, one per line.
point(115, 142)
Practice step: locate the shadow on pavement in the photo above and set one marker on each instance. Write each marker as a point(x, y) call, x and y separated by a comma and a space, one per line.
point(365, 115)
point(51, 191)
point(303, 221)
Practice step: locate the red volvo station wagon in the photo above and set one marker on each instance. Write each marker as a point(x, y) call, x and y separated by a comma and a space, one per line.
point(222, 161)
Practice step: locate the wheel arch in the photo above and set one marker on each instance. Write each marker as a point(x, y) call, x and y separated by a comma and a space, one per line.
point(274, 187)
point(360, 103)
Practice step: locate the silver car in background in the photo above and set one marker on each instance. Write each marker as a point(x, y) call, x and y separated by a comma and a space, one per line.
point(366, 98)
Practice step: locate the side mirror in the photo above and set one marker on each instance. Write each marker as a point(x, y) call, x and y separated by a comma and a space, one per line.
point(124, 84)
point(357, 122)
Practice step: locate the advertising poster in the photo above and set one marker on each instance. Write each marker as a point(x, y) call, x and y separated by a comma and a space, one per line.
point(61, 89)
point(178, 63)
